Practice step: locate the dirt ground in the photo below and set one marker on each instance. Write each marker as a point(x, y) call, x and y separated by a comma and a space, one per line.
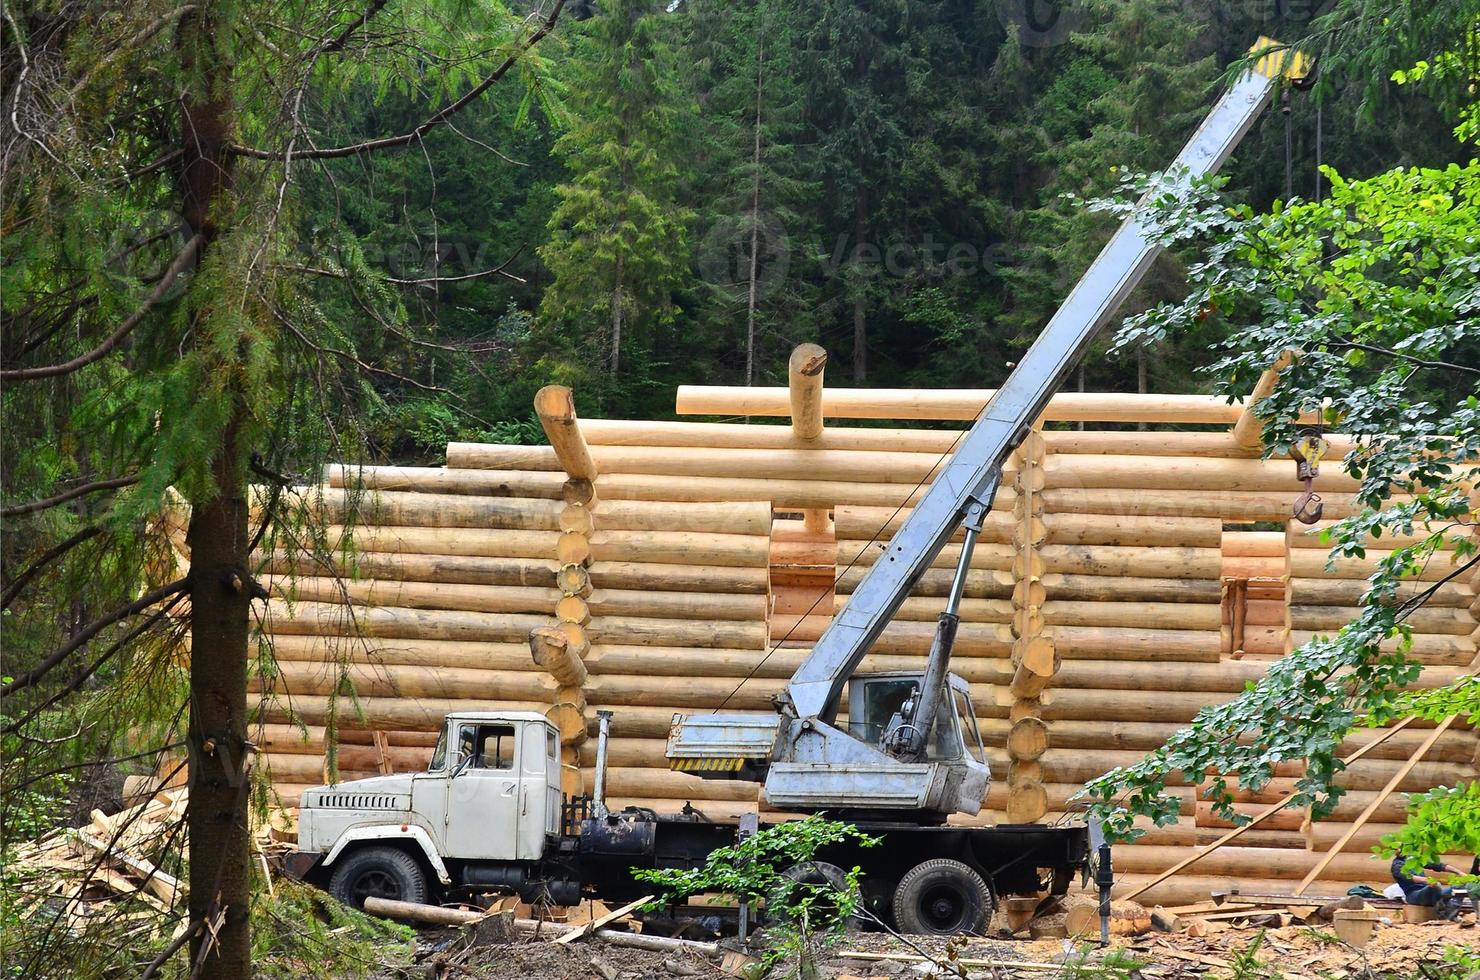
point(1396, 952)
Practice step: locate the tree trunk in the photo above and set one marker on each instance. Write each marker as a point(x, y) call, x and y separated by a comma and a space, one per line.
point(220, 585)
point(860, 304)
point(617, 318)
point(755, 220)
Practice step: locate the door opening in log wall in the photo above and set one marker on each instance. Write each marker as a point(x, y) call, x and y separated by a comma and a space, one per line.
point(804, 561)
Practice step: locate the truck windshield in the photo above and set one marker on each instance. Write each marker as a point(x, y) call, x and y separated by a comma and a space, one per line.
point(439, 754)
point(971, 733)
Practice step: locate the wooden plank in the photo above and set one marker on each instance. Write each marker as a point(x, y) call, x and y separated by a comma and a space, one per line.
point(597, 923)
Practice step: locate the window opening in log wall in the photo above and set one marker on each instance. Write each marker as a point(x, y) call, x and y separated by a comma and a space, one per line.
point(1255, 590)
point(803, 572)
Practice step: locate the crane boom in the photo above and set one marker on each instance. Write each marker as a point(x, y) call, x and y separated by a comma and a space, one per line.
point(813, 763)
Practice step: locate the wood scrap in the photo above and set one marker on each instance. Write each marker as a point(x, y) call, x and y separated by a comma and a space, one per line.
point(597, 923)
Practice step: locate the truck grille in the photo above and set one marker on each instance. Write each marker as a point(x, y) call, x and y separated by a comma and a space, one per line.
point(359, 801)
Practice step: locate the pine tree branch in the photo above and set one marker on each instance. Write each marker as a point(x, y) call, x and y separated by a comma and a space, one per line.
point(338, 42)
point(182, 261)
point(36, 567)
point(37, 673)
point(92, 668)
point(96, 486)
point(432, 122)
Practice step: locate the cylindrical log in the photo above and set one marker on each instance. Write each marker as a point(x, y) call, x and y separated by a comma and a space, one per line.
point(1266, 504)
point(1439, 619)
point(424, 713)
point(437, 479)
point(537, 572)
point(1115, 643)
point(1028, 738)
point(1253, 544)
point(1248, 431)
point(414, 595)
point(401, 681)
point(1289, 818)
point(1307, 591)
point(1027, 802)
point(960, 405)
point(577, 519)
point(551, 650)
point(871, 523)
point(1311, 536)
point(318, 618)
point(569, 719)
point(790, 494)
point(387, 508)
point(804, 371)
point(1185, 473)
point(1310, 563)
point(556, 409)
point(646, 631)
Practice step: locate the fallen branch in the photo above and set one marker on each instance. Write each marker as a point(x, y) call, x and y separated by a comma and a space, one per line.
point(16, 510)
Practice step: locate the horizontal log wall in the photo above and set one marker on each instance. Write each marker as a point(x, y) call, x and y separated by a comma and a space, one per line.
point(704, 559)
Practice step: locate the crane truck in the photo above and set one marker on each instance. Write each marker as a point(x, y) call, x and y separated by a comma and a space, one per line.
point(488, 813)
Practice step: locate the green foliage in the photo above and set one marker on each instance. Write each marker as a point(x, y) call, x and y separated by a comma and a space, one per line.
point(800, 914)
point(1376, 286)
point(300, 931)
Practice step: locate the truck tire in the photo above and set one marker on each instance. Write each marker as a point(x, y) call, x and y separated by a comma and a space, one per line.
point(381, 872)
point(818, 873)
point(942, 897)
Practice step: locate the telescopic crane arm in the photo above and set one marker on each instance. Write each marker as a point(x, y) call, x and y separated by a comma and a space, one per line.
point(808, 749)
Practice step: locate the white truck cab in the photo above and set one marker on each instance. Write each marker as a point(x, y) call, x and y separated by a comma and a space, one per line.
point(491, 794)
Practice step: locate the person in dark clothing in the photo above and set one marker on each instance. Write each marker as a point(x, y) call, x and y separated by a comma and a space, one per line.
point(1418, 890)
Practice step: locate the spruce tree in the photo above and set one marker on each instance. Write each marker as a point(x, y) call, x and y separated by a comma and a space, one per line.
point(617, 250)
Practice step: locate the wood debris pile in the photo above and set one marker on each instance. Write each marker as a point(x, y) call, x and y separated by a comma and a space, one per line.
point(115, 867)
point(82, 874)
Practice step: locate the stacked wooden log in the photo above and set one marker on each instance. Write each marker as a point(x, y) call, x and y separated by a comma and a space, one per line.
point(1119, 586)
point(1035, 659)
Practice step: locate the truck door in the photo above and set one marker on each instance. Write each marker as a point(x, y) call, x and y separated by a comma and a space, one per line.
point(483, 795)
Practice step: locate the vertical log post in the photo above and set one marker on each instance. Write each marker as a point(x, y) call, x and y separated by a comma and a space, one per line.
point(804, 379)
point(1248, 431)
point(562, 647)
point(1034, 658)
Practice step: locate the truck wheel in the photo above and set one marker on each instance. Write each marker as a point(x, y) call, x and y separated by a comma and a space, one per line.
point(822, 874)
point(378, 872)
point(942, 897)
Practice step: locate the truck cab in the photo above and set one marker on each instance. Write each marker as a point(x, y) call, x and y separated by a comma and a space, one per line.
point(487, 807)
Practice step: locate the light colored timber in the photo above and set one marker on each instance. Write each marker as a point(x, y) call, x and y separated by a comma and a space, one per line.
point(1427, 648)
point(681, 548)
point(556, 409)
point(1285, 819)
point(573, 580)
point(1248, 431)
point(797, 494)
point(1310, 536)
point(318, 618)
point(420, 714)
point(1108, 560)
point(1184, 473)
point(1028, 738)
point(1348, 592)
point(393, 508)
point(579, 492)
point(804, 387)
point(1457, 622)
point(570, 720)
point(537, 572)
point(1224, 504)
point(1027, 801)
point(1253, 544)
point(1268, 862)
point(1322, 835)
point(577, 519)
point(412, 683)
point(437, 479)
point(960, 404)
point(648, 631)
point(494, 456)
point(757, 435)
point(550, 648)
point(1331, 855)
point(1309, 563)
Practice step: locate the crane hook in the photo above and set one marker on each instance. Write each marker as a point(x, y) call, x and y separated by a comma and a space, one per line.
point(1307, 452)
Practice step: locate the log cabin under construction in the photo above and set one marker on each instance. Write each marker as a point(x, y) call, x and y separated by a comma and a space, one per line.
point(1127, 577)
